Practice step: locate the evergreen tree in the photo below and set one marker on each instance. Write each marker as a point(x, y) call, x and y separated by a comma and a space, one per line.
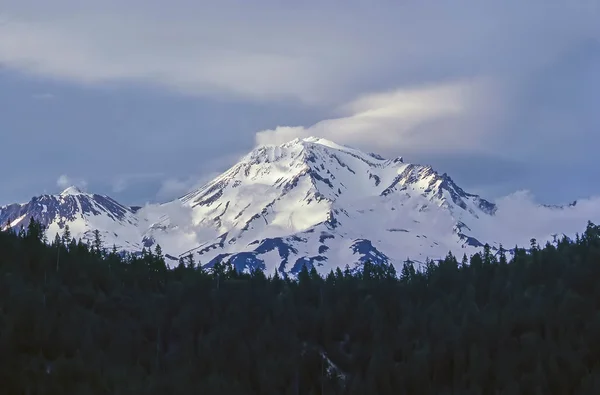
point(191, 264)
point(464, 262)
point(66, 236)
point(488, 257)
point(158, 254)
point(35, 231)
point(408, 270)
point(502, 255)
point(8, 227)
point(97, 244)
point(74, 321)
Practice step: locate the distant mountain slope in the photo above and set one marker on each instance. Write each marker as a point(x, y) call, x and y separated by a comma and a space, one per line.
point(83, 212)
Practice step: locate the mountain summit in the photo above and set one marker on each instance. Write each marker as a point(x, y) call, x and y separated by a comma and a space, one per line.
point(309, 202)
point(82, 212)
point(71, 191)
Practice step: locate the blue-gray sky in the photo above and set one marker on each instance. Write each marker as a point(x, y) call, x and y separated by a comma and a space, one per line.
point(143, 100)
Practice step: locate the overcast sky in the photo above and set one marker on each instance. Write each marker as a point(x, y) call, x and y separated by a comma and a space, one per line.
point(143, 100)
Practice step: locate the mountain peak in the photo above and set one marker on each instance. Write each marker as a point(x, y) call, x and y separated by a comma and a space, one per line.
point(306, 148)
point(323, 142)
point(83, 212)
point(314, 140)
point(72, 190)
point(310, 139)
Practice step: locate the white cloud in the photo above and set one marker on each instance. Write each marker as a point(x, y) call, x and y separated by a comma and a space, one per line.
point(178, 213)
point(520, 217)
point(173, 188)
point(398, 121)
point(124, 181)
point(64, 181)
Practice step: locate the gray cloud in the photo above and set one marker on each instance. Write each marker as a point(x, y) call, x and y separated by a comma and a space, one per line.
point(313, 51)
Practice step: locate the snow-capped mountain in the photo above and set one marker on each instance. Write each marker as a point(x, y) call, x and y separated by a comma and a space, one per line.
point(82, 212)
point(314, 202)
point(310, 202)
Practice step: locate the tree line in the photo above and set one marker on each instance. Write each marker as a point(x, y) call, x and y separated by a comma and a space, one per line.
point(78, 318)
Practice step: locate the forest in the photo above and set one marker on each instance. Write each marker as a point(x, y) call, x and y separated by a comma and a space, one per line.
point(81, 318)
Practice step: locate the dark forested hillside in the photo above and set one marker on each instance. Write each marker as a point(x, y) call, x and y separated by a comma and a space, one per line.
point(77, 319)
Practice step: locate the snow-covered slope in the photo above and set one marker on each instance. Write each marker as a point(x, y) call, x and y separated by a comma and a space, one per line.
point(82, 212)
point(312, 202)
